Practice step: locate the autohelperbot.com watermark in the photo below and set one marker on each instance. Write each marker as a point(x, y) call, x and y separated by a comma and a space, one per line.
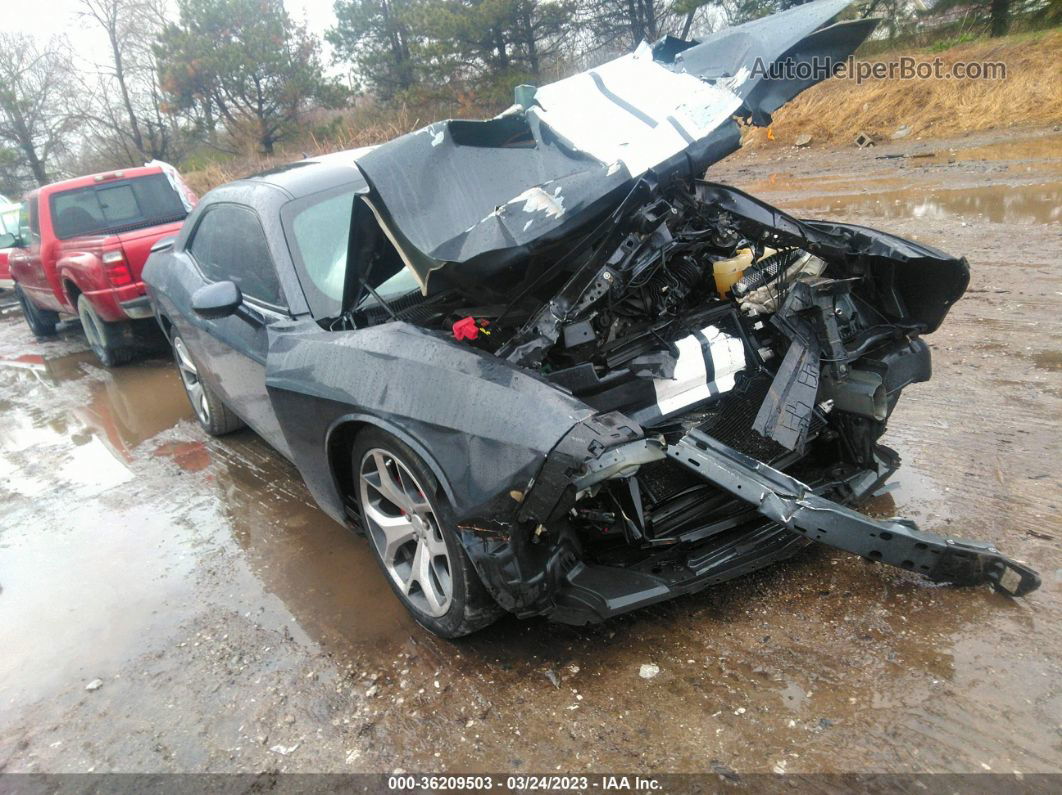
point(903, 67)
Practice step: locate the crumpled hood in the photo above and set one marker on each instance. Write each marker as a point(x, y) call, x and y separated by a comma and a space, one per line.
point(464, 193)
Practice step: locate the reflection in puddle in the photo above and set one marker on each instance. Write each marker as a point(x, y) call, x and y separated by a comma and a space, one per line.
point(325, 574)
point(1038, 148)
point(122, 407)
point(1023, 204)
point(909, 493)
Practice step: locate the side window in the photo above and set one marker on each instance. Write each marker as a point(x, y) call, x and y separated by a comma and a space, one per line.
point(229, 244)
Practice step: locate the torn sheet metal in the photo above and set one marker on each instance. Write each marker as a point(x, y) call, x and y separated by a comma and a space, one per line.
point(461, 189)
point(739, 58)
point(633, 111)
point(927, 280)
point(456, 191)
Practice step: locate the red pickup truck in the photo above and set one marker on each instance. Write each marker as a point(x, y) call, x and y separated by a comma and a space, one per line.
point(81, 245)
point(8, 235)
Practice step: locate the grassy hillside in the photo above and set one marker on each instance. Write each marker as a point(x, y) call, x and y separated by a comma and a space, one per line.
point(832, 112)
point(835, 111)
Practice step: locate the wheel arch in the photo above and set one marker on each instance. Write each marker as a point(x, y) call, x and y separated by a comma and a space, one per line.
point(166, 325)
point(339, 439)
point(75, 276)
point(72, 289)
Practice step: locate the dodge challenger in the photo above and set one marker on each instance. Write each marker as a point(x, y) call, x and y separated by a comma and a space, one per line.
point(546, 368)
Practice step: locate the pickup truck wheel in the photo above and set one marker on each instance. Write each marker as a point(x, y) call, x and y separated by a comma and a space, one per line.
point(109, 341)
point(41, 321)
point(215, 417)
point(412, 535)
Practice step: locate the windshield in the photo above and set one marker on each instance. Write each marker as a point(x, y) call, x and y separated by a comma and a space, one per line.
point(402, 283)
point(319, 232)
point(116, 206)
point(9, 219)
point(317, 228)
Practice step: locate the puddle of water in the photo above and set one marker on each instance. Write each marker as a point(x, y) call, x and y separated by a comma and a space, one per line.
point(325, 575)
point(92, 577)
point(83, 593)
point(1045, 148)
point(122, 407)
point(834, 184)
point(1022, 204)
point(1048, 360)
point(793, 696)
point(910, 494)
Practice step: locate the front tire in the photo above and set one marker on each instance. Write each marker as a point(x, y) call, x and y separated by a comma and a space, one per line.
point(413, 537)
point(41, 322)
point(213, 415)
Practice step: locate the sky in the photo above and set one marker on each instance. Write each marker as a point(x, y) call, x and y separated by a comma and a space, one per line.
point(45, 17)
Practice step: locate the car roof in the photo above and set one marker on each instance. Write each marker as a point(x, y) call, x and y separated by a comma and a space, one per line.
point(313, 174)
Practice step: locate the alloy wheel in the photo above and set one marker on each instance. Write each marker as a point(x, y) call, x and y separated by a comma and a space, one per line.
point(192, 385)
point(406, 532)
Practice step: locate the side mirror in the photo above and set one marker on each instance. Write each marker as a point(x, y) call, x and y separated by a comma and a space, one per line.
point(8, 240)
point(217, 300)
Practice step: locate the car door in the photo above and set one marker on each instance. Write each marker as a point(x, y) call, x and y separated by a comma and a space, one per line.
point(27, 265)
point(229, 244)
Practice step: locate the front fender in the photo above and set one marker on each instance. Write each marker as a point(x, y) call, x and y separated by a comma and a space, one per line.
point(485, 426)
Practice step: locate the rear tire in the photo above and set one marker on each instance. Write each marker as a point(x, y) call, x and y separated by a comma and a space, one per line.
point(213, 415)
point(42, 322)
point(111, 342)
point(413, 536)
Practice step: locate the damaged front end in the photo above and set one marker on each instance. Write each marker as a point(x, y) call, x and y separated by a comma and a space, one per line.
point(738, 366)
point(741, 366)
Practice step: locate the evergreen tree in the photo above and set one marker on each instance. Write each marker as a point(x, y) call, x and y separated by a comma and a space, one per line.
point(377, 37)
point(247, 62)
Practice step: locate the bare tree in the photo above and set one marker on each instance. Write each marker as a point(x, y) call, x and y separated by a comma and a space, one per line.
point(36, 92)
point(126, 112)
point(619, 25)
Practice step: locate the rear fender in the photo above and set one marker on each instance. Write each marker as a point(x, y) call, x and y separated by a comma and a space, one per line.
point(85, 272)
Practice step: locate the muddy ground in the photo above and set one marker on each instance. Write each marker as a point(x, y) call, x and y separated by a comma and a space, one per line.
point(234, 627)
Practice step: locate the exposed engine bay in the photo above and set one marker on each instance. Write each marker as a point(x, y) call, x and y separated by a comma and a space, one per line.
point(705, 337)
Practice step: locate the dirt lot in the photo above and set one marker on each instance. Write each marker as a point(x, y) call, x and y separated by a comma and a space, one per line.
point(234, 627)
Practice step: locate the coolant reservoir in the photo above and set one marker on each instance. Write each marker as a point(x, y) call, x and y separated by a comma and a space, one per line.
point(729, 271)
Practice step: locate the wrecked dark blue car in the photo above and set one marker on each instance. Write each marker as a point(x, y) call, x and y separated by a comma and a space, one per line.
point(547, 369)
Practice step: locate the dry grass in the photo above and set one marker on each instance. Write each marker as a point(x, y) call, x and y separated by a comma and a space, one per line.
point(334, 132)
point(360, 128)
point(832, 112)
point(835, 111)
